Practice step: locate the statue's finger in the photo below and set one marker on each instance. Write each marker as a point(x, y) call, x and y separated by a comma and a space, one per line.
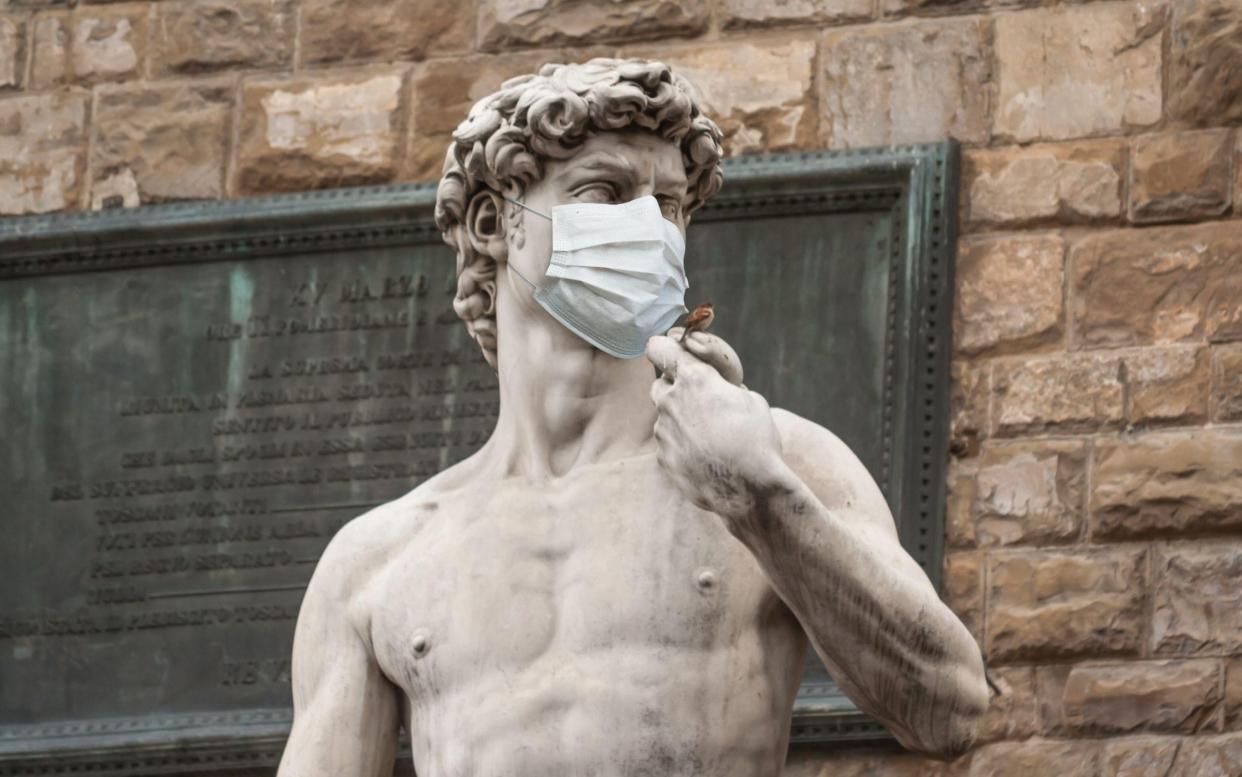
point(665, 354)
point(717, 353)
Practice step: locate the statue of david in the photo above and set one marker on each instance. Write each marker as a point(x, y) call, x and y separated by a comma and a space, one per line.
point(624, 580)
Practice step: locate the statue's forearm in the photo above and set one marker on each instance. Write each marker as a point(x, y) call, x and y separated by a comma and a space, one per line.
point(870, 612)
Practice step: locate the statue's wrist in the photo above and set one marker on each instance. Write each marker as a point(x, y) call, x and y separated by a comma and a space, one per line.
point(769, 487)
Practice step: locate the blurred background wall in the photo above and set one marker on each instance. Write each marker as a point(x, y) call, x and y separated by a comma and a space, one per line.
point(1096, 480)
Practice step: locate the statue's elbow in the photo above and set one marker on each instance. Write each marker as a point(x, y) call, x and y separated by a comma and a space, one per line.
point(953, 721)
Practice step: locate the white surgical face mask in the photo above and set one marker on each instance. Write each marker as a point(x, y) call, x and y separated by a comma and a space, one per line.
point(616, 276)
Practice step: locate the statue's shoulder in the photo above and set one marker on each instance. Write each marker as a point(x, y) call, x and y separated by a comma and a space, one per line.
point(803, 437)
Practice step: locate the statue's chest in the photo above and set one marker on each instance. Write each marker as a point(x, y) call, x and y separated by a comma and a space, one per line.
point(602, 563)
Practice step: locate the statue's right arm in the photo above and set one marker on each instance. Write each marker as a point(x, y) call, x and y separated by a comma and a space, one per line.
point(345, 711)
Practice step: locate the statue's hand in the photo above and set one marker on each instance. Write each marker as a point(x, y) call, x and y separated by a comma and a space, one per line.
point(715, 439)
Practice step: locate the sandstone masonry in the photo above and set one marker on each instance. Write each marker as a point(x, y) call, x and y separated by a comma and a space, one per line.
point(1094, 522)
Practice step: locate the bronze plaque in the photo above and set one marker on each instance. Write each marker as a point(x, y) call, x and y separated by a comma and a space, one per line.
point(195, 397)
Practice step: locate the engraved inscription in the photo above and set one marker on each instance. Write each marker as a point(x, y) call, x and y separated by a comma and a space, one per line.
point(219, 439)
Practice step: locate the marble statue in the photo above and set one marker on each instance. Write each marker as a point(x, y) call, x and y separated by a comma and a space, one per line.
point(624, 580)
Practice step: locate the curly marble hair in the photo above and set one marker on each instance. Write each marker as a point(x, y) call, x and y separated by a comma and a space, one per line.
point(503, 143)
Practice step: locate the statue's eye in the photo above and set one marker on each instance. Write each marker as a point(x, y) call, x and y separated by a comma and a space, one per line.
point(671, 209)
point(597, 192)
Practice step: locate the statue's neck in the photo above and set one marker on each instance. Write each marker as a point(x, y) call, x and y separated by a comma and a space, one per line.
point(564, 404)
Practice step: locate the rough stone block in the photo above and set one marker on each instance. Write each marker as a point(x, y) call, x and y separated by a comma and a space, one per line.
point(362, 30)
point(1167, 385)
point(12, 51)
point(169, 141)
point(1158, 696)
point(508, 23)
point(1060, 393)
point(1161, 484)
point(443, 91)
point(762, 96)
point(1227, 384)
point(1233, 693)
point(1061, 183)
point(1060, 604)
point(905, 83)
point(1029, 492)
point(49, 64)
point(1205, 63)
point(1197, 599)
point(194, 36)
point(1130, 287)
point(763, 13)
point(1180, 176)
point(1013, 712)
point(962, 484)
point(969, 395)
point(1009, 293)
point(1141, 756)
point(109, 42)
point(320, 132)
point(1078, 71)
point(1037, 758)
point(1209, 757)
point(804, 763)
point(963, 589)
point(42, 152)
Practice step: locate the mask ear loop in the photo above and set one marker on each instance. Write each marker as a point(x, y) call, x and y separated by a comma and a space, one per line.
point(523, 206)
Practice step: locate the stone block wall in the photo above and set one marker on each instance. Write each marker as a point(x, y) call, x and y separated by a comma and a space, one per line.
point(1095, 517)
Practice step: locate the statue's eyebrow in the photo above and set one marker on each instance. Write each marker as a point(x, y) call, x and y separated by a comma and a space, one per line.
point(605, 161)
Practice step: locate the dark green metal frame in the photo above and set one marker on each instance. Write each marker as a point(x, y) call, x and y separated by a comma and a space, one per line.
point(916, 184)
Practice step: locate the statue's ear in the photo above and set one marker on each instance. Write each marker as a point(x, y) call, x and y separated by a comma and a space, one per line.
point(485, 225)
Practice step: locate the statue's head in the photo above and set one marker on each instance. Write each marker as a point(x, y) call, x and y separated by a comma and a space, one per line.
point(605, 131)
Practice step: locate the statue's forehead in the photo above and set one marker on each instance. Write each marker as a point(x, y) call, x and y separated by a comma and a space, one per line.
point(624, 152)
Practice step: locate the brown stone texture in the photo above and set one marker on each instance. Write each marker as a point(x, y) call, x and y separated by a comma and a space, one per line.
point(969, 390)
point(1029, 492)
point(1132, 287)
point(1209, 757)
point(1167, 385)
point(317, 133)
point(1057, 604)
point(193, 36)
point(443, 91)
point(1233, 693)
point(959, 499)
point(1179, 176)
point(1062, 182)
point(1227, 384)
point(1036, 758)
point(1061, 393)
point(12, 51)
point(1078, 71)
point(905, 83)
point(1141, 756)
point(507, 23)
point(765, 13)
point(1158, 696)
point(1009, 293)
point(169, 140)
point(1014, 711)
point(963, 589)
point(42, 152)
point(353, 30)
point(49, 65)
point(1167, 484)
point(1205, 63)
point(760, 95)
point(109, 42)
point(813, 763)
point(1197, 599)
